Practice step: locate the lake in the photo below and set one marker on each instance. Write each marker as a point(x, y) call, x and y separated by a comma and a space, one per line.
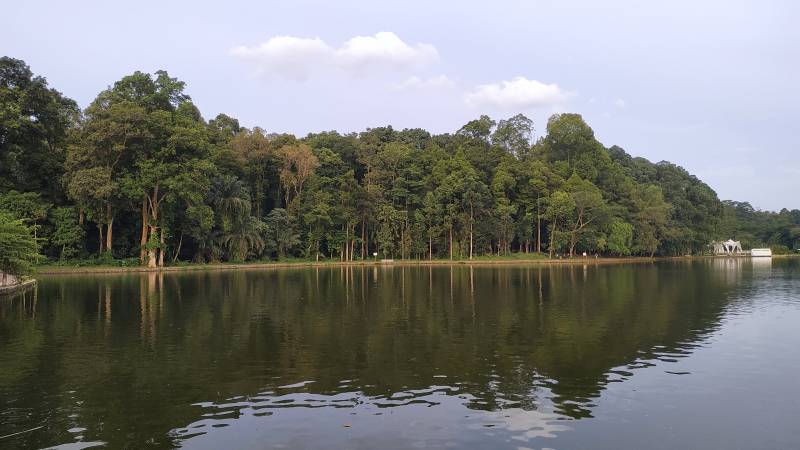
point(687, 354)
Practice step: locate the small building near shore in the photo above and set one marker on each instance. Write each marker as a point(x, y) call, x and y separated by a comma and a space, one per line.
point(729, 247)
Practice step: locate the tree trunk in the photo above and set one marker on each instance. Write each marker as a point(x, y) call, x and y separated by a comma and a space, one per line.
point(470, 241)
point(363, 236)
point(451, 242)
point(152, 253)
point(100, 235)
point(538, 227)
point(430, 247)
point(145, 228)
point(572, 241)
point(353, 242)
point(402, 242)
point(259, 195)
point(161, 249)
point(471, 222)
point(109, 228)
point(178, 250)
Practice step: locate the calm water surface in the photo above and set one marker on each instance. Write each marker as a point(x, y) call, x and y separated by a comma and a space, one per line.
point(702, 354)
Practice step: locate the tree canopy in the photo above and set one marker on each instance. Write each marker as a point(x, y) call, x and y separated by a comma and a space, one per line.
point(140, 174)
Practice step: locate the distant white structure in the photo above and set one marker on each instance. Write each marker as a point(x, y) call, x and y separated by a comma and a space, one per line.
point(761, 252)
point(729, 247)
point(733, 247)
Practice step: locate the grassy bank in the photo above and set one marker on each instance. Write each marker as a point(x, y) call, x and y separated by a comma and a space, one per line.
point(65, 267)
point(115, 266)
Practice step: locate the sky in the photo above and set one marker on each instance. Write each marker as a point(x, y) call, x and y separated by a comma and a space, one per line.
point(709, 85)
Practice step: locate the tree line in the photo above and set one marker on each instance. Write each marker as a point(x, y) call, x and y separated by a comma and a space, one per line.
point(141, 174)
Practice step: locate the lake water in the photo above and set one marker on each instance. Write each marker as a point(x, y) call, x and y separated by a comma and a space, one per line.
point(689, 354)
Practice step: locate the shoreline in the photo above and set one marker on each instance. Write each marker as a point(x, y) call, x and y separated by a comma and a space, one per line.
point(64, 270)
point(17, 288)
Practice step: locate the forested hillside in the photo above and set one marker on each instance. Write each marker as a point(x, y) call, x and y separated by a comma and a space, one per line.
point(141, 174)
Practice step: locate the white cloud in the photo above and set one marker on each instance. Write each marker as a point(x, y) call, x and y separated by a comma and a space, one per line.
point(620, 103)
point(518, 93)
point(297, 58)
point(384, 50)
point(440, 82)
point(287, 56)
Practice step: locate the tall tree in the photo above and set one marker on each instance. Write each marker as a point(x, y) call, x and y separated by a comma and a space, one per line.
point(259, 161)
point(514, 135)
point(174, 159)
point(101, 152)
point(282, 231)
point(560, 212)
point(590, 208)
point(34, 122)
point(29, 207)
point(67, 234)
point(480, 128)
point(650, 219)
point(298, 164)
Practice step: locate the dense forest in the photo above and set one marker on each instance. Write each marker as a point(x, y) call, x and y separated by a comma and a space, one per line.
point(140, 177)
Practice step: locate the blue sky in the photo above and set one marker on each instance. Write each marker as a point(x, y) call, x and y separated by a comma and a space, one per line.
point(711, 85)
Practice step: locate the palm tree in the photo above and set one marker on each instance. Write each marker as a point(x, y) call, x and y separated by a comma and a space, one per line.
point(210, 248)
point(245, 236)
point(230, 199)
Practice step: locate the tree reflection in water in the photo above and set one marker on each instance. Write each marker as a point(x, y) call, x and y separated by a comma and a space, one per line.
point(158, 358)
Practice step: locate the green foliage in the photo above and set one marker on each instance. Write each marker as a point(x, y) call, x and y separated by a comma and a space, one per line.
point(514, 135)
point(99, 261)
point(230, 200)
point(244, 238)
point(695, 210)
point(390, 221)
point(28, 206)
point(779, 249)
point(34, 122)
point(67, 232)
point(569, 140)
point(650, 216)
point(754, 228)
point(18, 248)
point(281, 232)
point(140, 171)
point(590, 214)
point(620, 238)
point(478, 129)
point(317, 217)
point(559, 212)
